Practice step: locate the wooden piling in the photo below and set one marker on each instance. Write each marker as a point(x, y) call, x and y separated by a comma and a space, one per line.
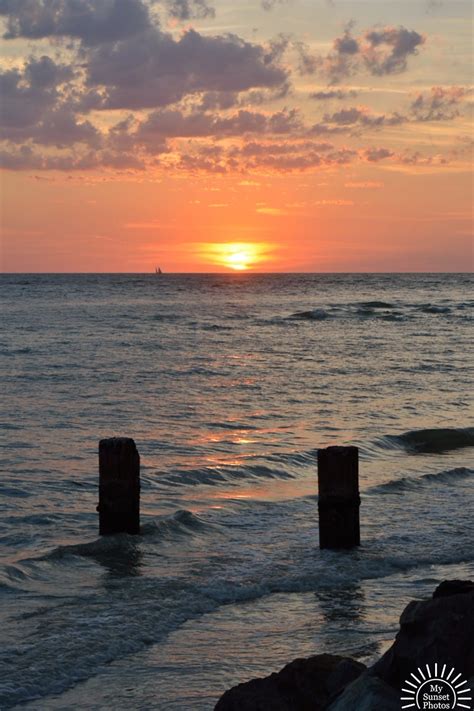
point(339, 500)
point(119, 486)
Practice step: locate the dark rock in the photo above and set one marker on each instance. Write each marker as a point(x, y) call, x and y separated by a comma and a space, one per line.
point(367, 693)
point(439, 630)
point(302, 685)
point(453, 587)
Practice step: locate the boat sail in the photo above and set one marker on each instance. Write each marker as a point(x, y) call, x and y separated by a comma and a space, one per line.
point(158, 270)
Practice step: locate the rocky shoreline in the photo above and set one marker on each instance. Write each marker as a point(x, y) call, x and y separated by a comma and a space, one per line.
point(438, 631)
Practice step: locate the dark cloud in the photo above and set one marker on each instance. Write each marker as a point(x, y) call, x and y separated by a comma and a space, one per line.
point(45, 73)
point(34, 107)
point(293, 156)
point(189, 9)
point(255, 148)
point(440, 104)
point(346, 44)
point(153, 69)
point(389, 48)
point(196, 162)
point(308, 63)
point(362, 116)
point(89, 21)
point(374, 155)
point(329, 94)
point(61, 128)
point(418, 159)
point(380, 51)
point(222, 100)
point(323, 129)
point(26, 158)
point(352, 120)
point(27, 94)
point(173, 123)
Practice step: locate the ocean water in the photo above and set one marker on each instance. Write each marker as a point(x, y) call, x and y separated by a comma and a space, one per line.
point(228, 384)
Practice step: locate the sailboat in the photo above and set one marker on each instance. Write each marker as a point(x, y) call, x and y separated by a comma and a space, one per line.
point(158, 270)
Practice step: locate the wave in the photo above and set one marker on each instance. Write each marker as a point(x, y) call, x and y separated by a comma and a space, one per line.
point(433, 309)
point(447, 476)
point(232, 425)
point(430, 441)
point(181, 523)
point(381, 310)
point(225, 473)
point(377, 305)
point(312, 315)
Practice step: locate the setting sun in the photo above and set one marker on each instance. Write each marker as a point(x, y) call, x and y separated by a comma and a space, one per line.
point(240, 259)
point(239, 256)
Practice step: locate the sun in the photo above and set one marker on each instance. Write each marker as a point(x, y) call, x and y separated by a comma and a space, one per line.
point(239, 260)
point(239, 256)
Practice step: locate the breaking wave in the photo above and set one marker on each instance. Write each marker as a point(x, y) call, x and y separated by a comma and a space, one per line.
point(447, 476)
point(431, 441)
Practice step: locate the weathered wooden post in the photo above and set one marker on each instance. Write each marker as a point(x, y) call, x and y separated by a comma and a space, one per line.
point(119, 486)
point(339, 500)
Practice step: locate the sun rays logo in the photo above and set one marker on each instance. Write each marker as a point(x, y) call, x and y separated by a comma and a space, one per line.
point(434, 690)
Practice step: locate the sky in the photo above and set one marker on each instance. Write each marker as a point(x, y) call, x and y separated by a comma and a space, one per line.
point(247, 135)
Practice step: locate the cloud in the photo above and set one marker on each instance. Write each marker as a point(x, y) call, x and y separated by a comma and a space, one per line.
point(380, 51)
point(173, 123)
point(61, 128)
point(28, 94)
point(418, 159)
point(352, 120)
point(362, 116)
point(255, 148)
point(211, 100)
point(290, 156)
point(270, 4)
point(90, 22)
point(35, 106)
point(329, 94)
point(389, 48)
point(195, 163)
point(346, 44)
point(45, 73)
point(153, 69)
point(440, 104)
point(374, 155)
point(26, 158)
point(189, 9)
point(308, 63)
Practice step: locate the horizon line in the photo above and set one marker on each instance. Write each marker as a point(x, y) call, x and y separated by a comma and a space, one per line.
point(229, 272)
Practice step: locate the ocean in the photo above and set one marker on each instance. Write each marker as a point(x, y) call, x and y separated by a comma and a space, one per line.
point(229, 384)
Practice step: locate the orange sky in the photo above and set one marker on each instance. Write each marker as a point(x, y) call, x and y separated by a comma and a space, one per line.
point(201, 136)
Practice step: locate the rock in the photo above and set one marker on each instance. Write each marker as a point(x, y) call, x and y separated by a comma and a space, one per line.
point(302, 685)
point(368, 693)
point(439, 630)
point(453, 587)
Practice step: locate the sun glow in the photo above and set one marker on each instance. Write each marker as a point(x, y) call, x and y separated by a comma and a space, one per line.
point(239, 256)
point(239, 260)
